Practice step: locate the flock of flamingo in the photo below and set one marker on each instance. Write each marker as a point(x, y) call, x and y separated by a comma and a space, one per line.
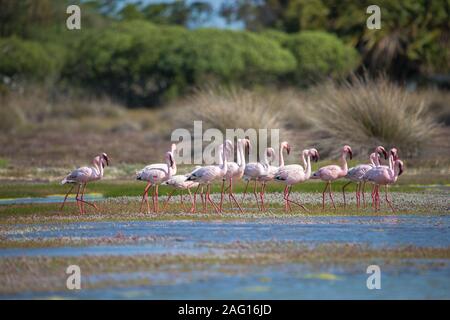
point(228, 172)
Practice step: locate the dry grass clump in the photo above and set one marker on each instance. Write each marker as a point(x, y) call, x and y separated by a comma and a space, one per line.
point(234, 108)
point(34, 105)
point(365, 113)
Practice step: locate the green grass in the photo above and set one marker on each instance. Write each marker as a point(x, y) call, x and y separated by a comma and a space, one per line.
point(3, 163)
point(110, 189)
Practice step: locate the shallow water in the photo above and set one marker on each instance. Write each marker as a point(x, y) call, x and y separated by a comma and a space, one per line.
point(192, 236)
point(56, 198)
point(420, 279)
point(289, 281)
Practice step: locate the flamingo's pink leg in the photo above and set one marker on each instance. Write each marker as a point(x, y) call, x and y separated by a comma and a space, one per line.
point(83, 201)
point(153, 200)
point(190, 197)
point(343, 192)
point(358, 195)
point(230, 193)
point(233, 197)
point(208, 191)
point(363, 193)
point(256, 195)
point(261, 195)
point(193, 209)
point(323, 195)
point(245, 192)
point(144, 194)
point(387, 199)
point(78, 201)
point(65, 198)
point(221, 195)
point(285, 201)
point(331, 194)
point(168, 199)
point(156, 191)
point(182, 201)
point(297, 203)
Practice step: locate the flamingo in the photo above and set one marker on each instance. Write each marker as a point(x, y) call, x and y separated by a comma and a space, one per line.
point(155, 174)
point(295, 173)
point(208, 174)
point(272, 170)
point(82, 176)
point(383, 176)
point(356, 174)
point(179, 182)
point(263, 172)
point(393, 156)
point(333, 172)
point(235, 171)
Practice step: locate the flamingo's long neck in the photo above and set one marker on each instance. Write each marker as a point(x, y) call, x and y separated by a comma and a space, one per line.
point(396, 170)
point(305, 164)
point(344, 165)
point(280, 154)
point(308, 165)
point(375, 159)
point(241, 156)
point(98, 167)
point(173, 169)
point(223, 156)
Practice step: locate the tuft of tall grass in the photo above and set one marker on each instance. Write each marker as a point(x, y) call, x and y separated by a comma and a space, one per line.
point(233, 108)
point(32, 105)
point(368, 112)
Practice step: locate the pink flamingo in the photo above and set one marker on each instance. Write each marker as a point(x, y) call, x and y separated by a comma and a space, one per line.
point(393, 156)
point(179, 182)
point(383, 176)
point(155, 174)
point(356, 174)
point(82, 176)
point(208, 174)
point(295, 173)
point(263, 172)
point(333, 172)
point(235, 171)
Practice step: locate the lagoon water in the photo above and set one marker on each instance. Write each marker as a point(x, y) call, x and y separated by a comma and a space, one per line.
point(415, 280)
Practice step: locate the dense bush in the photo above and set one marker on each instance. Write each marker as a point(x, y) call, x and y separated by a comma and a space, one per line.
point(25, 59)
point(320, 55)
point(144, 63)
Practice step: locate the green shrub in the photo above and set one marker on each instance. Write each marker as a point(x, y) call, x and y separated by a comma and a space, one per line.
point(24, 59)
point(146, 64)
point(321, 55)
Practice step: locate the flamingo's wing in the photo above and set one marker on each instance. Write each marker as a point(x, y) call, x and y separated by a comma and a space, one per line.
point(78, 175)
point(357, 173)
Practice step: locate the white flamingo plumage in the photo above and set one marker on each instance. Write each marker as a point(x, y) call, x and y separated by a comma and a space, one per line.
point(264, 171)
point(82, 176)
point(333, 172)
point(179, 182)
point(383, 176)
point(295, 173)
point(235, 171)
point(208, 174)
point(155, 174)
point(356, 174)
point(393, 156)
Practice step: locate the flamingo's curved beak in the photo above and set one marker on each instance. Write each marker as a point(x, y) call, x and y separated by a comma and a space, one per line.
point(316, 156)
point(400, 168)
point(288, 148)
point(105, 157)
point(171, 160)
point(350, 153)
point(394, 154)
